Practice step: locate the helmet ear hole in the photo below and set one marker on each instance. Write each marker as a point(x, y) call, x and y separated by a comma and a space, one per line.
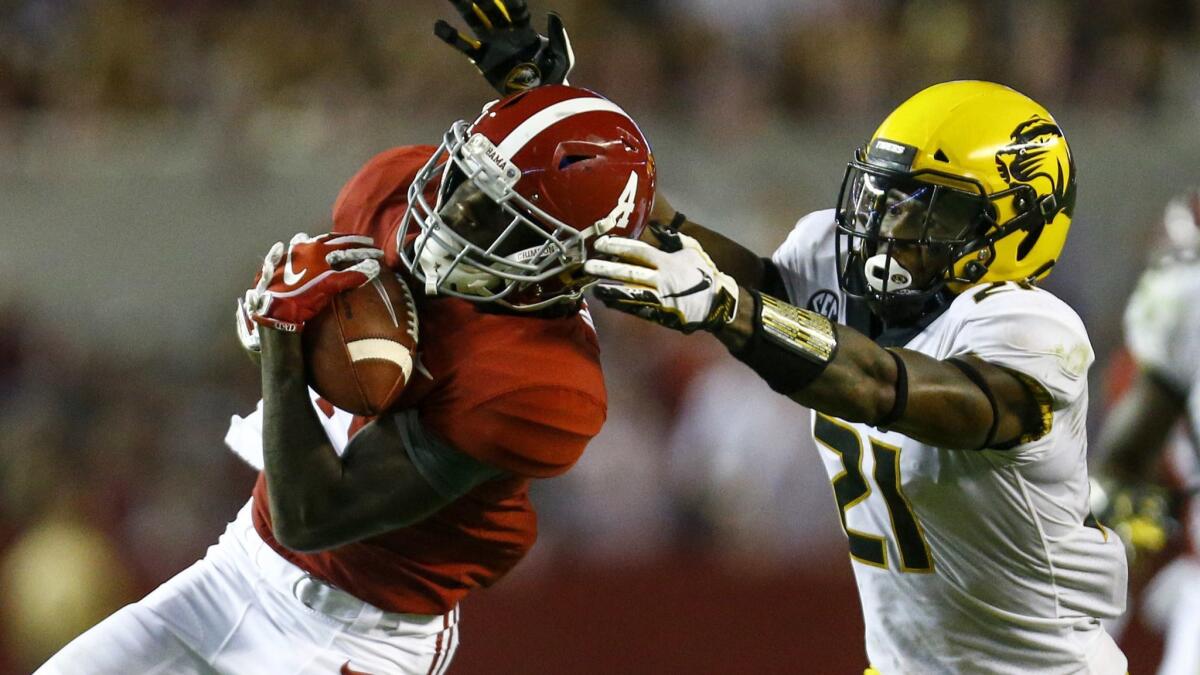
point(941, 156)
point(568, 160)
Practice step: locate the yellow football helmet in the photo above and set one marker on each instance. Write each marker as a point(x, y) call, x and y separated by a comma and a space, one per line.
point(974, 175)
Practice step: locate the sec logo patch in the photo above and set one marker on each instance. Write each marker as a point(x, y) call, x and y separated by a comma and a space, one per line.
point(825, 303)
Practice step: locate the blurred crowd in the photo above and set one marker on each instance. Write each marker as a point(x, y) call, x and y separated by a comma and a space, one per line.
point(112, 471)
point(699, 58)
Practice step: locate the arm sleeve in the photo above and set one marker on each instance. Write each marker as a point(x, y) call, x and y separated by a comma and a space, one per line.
point(535, 432)
point(1162, 325)
point(1033, 334)
point(450, 472)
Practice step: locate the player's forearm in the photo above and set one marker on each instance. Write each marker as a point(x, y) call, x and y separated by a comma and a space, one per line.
point(858, 384)
point(739, 262)
point(301, 467)
point(317, 499)
point(1136, 429)
point(729, 256)
point(931, 401)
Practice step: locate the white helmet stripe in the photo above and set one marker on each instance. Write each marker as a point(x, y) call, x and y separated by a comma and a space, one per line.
point(550, 116)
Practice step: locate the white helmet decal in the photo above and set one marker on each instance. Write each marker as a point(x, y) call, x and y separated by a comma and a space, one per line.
point(619, 216)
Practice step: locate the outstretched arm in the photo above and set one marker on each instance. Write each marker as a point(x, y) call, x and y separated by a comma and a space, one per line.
point(957, 403)
point(506, 49)
point(745, 266)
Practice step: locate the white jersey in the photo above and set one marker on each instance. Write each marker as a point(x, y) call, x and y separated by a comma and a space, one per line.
point(973, 561)
point(1162, 330)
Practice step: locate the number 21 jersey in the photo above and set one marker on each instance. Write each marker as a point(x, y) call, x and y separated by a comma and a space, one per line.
point(973, 561)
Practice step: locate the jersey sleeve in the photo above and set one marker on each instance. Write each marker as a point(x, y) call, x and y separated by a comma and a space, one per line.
point(1162, 324)
point(536, 432)
point(1031, 333)
point(799, 259)
point(373, 200)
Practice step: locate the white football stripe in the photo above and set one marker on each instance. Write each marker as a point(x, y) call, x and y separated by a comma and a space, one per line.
point(386, 350)
point(554, 114)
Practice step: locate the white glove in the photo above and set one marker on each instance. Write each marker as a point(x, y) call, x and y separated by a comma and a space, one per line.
point(678, 287)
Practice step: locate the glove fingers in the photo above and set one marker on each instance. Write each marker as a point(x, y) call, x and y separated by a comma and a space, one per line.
point(640, 302)
point(485, 22)
point(246, 329)
point(364, 271)
point(466, 9)
point(560, 46)
point(349, 255)
point(350, 239)
point(518, 12)
point(629, 250)
point(631, 274)
point(622, 293)
point(276, 253)
point(496, 12)
point(450, 35)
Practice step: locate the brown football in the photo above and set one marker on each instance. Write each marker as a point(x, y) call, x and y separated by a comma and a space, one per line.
point(360, 351)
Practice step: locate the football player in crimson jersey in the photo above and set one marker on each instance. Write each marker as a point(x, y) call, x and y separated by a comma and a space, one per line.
point(363, 535)
point(949, 391)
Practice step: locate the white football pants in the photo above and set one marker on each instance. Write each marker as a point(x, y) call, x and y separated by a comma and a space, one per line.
point(1172, 605)
point(244, 609)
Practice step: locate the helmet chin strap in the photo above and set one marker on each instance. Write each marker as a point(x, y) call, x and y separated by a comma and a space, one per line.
point(437, 263)
point(885, 274)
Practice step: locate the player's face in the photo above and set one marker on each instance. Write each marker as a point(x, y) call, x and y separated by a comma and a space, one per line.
point(915, 223)
point(478, 219)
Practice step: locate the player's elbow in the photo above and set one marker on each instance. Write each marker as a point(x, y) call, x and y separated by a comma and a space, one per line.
point(298, 537)
point(302, 530)
point(302, 539)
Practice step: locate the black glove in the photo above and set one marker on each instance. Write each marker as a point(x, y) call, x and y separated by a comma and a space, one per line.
point(510, 53)
point(1143, 515)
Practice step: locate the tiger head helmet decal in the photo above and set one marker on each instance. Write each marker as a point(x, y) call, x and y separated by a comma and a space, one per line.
point(1038, 157)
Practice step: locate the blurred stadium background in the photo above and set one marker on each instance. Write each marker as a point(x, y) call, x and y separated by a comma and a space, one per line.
point(153, 149)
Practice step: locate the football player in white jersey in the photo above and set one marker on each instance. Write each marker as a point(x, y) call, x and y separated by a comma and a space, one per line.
point(949, 391)
point(1162, 332)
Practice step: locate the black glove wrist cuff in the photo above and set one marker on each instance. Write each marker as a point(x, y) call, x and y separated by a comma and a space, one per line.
point(790, 347)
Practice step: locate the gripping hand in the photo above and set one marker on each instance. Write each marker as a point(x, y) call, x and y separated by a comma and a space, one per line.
point(678, 286)
point(313, 270)
point(506, 49)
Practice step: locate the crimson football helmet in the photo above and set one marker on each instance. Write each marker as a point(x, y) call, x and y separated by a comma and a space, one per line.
point(559, 166)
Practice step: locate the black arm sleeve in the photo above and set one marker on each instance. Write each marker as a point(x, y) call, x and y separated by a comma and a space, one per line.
point(772, 281)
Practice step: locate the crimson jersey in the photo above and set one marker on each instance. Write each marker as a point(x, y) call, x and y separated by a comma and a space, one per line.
point(521, 393)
